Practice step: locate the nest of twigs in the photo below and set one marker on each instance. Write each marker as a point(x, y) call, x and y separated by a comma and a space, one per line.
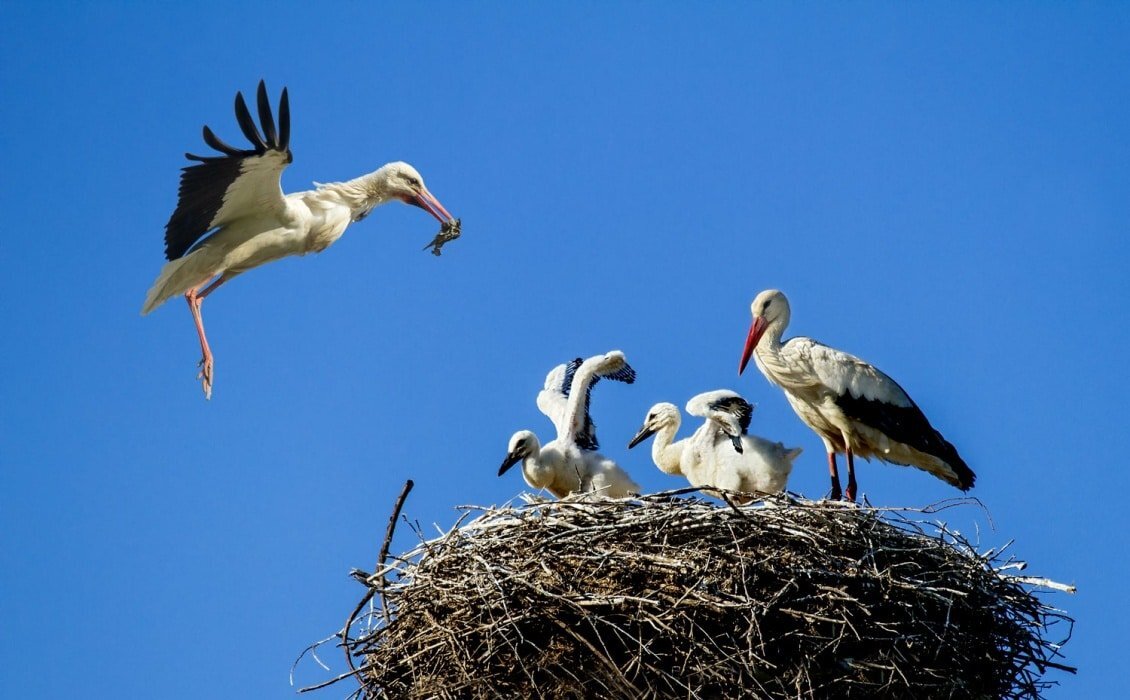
point(680, 597)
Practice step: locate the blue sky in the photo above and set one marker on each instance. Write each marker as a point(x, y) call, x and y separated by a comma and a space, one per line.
point(940, 189)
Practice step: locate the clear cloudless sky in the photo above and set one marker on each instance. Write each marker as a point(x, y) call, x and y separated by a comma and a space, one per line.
point(942, 189)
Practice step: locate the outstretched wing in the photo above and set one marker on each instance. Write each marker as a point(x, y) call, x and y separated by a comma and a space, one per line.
point(237, 183)
point(578, 425)
point(553, 399)
point(586, 436)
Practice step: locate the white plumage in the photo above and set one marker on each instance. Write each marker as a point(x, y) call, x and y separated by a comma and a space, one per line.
point(720, 453)
point(854, 407)
point(571, 463)
point(232, 215)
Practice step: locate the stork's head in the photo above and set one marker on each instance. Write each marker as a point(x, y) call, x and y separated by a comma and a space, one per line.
point(770, 308)
point(405, 183)
point(523, 444)
point(660, 416)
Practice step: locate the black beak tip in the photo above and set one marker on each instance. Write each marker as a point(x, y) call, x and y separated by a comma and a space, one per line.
point(642, 435)
point(510, 461)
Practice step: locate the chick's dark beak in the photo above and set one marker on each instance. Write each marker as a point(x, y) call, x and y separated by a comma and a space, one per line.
point(510, 461)
point(644, 433)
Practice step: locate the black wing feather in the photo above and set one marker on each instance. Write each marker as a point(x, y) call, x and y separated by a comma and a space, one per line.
point(266, 120)
point(737, 407)
point(215, 142)
point(586, 440)
point(908, 425)
point(284, 122)
point(203, 186)
point(247, 124)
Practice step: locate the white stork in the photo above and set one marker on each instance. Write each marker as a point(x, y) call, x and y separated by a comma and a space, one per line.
point(850, 404)
point(232, 215)
point(720, 453)
point(571, 462)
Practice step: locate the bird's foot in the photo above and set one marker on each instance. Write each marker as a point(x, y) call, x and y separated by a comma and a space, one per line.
point(835, 495)
point(205, 376)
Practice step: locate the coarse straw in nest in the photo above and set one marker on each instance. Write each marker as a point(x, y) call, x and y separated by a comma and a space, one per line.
point(660, 596)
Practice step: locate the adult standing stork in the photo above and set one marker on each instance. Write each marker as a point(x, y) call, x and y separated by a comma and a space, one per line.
point(850, 404)
point(232, 215)
point(571, 463)
point(721, 453)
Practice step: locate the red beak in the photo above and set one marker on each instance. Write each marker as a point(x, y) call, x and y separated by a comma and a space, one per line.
point(427, 201)
point(756, 330)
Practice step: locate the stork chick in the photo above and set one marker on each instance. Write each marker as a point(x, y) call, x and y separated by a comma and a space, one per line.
point(571, 463)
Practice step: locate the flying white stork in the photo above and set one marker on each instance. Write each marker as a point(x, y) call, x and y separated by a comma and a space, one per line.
point(850, 404)
point(720, 453)
point(232, 215)
point(571, 462)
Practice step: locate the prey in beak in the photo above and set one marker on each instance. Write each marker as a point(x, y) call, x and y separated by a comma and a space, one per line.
point(756, 330)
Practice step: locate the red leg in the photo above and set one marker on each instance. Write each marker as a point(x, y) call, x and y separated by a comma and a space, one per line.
point(195, 300)
point(835, 474)
point(851, 490)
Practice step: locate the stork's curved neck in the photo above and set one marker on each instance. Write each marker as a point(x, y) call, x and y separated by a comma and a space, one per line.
point(768, 348)
point(667, 455)
point(361, 194)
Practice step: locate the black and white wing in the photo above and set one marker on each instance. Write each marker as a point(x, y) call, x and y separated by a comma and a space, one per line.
point(580, 377)
point(553, 399)
point(725, 409)
point(235, 184)
point(867, 395)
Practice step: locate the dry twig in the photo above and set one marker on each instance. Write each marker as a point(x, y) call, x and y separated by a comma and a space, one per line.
point(677, 597)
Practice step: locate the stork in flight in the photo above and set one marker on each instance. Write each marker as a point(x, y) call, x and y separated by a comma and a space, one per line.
point(232, 215)
point(571, 463)
point(720, 453)
point(850, 404)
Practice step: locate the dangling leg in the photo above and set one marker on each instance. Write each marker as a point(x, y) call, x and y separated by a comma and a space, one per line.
point(195, 300)
point(835, 474)
point(850, 493)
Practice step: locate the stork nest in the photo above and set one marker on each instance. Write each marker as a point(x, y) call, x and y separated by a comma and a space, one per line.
point(678, 597)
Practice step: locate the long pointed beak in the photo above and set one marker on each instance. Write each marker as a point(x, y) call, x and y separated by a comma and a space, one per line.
point(427, 201)
point(756, 330)
point(737, 440)
point(644, 433)
point(510, 461)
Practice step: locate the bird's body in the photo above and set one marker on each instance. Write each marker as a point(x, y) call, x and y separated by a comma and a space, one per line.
point(232, 215)
point(853, 407)
point(562, 468)
point(711, 456)
point(571, 463)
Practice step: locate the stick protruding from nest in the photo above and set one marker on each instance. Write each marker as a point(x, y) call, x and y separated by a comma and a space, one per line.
point(659, 596)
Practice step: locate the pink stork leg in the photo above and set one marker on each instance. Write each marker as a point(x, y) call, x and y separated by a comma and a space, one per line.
point(850, 493)
point(195, 300)
point(835, 474)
